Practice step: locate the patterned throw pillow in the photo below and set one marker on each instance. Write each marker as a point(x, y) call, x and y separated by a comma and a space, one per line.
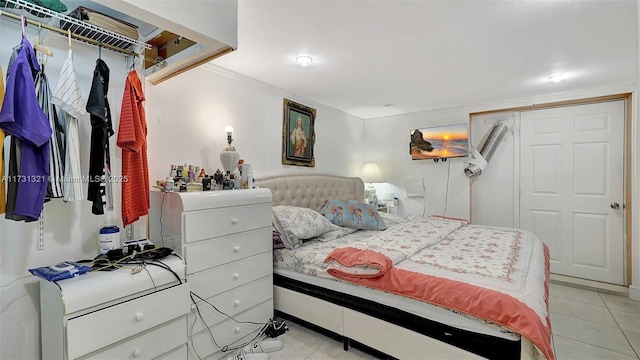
point(296, 224)
point(277, 240)
point(353, 214)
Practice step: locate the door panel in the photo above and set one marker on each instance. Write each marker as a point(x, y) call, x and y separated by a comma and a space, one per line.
point(571, 162)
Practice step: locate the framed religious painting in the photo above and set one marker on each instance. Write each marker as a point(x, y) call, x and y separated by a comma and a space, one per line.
point(298, 135)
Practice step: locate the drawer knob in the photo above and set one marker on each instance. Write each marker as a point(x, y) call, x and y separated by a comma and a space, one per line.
point(236, 303)
point(139, 316)
point(237, 329)
point(137, 353)
point(236, 276)
point(234, 221)
point(236, 249)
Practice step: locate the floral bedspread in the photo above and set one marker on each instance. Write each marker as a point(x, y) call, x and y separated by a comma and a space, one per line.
point(497, 274)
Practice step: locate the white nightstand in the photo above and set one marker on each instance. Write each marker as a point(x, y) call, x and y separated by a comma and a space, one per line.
point(117, 314)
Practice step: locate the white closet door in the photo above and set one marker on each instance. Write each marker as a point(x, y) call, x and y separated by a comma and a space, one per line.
point(572, 187)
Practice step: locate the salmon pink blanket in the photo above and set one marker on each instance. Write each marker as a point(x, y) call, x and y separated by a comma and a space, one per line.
point(499, 275)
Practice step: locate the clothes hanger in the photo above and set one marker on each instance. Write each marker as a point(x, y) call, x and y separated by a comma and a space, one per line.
point(99, 49)
point(133, 62)
point(69, 36)
point(23, 22)
point(40, 47)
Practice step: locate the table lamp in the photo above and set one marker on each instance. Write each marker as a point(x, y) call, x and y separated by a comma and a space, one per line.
point(370, 174)
point(229, 157)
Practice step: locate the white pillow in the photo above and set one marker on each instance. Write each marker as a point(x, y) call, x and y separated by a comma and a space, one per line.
point(336, 232)
point(296, 224)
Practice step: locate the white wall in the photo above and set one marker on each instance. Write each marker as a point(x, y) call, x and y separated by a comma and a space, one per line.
point(70, 229)
point(187, 116)
point(387, 142)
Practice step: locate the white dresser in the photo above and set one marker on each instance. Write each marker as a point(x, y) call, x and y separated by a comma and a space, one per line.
point(225, 239)
point(117, 314)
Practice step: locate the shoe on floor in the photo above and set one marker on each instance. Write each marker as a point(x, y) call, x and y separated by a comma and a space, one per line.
point(243, 355)
point(263, 346)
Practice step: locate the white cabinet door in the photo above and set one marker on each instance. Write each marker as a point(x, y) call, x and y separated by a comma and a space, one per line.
point(572, 177)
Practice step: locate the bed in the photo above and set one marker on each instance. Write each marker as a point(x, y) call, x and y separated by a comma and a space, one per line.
point(341, 297)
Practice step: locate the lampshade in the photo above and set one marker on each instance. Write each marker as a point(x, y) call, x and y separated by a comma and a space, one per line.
point(371, 173)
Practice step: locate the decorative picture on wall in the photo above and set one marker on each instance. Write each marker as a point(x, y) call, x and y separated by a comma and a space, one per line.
point(298, 135)
point(440, 142)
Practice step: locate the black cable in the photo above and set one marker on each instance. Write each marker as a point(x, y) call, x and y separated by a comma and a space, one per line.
point(226, 348)
point(165, 266)
point(446, 195)
point(202, 318)
point(229, 316)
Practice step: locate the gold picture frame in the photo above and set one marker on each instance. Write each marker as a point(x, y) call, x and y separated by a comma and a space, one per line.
point(298, 134)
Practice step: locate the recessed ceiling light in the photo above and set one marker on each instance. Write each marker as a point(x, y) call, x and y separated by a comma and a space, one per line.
point(304, 60)
point(556, 78)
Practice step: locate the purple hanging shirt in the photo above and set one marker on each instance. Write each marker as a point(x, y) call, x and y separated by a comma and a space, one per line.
point(22, 117)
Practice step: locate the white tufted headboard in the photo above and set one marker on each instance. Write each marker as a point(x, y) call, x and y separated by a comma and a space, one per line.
point(310, 190)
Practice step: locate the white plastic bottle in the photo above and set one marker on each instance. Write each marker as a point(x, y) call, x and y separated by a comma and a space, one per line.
point(237, 181)
point(108, 239)
point(168, 185)
point(248, 175)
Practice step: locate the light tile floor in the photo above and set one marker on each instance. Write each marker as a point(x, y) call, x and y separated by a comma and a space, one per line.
point(586, 325)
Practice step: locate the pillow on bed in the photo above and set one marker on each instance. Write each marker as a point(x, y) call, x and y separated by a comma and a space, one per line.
point(296, 224)
point(353, 214)
point(337, 232)
point(277, 240)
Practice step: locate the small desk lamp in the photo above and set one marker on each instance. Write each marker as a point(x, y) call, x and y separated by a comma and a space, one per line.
point(370, 174)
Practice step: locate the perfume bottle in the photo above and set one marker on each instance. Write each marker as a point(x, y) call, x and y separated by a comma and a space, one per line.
point(218, 178)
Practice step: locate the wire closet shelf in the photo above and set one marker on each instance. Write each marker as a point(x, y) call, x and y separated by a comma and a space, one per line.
point(80, 30)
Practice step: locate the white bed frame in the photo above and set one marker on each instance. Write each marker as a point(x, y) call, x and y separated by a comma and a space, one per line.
point(310, 191)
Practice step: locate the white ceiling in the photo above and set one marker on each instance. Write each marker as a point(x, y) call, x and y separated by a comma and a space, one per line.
point(427, 55)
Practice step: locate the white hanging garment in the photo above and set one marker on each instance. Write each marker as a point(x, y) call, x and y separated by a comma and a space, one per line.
point(68, 98)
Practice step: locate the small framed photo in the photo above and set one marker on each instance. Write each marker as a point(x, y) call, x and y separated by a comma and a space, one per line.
point(298, 135)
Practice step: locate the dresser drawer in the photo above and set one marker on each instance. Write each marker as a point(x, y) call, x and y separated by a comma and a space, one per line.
point(148, 345)
point(217, 280)
point(180, 353)
point(233, 302)
point(230, 332)
point(204, 254)
point(207, 224)
point(98, 329)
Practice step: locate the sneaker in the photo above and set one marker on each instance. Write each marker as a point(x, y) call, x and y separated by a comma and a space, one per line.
point(263, 346)
point(243, 355)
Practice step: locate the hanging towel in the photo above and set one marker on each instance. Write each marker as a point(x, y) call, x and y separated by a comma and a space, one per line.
point(99, 192)
point(22, 117)
point(68, 98)
point(56, 144)
point(132, 138)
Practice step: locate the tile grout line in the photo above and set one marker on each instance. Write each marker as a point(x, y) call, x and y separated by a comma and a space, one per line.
point(619, 327)
point(578, 301)
point(598, 346)
point(590, 321)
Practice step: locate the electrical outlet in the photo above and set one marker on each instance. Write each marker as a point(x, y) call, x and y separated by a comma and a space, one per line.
point(129, 230)
point(415, 187)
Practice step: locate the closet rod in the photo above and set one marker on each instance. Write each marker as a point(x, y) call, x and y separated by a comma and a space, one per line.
point(75, 36)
